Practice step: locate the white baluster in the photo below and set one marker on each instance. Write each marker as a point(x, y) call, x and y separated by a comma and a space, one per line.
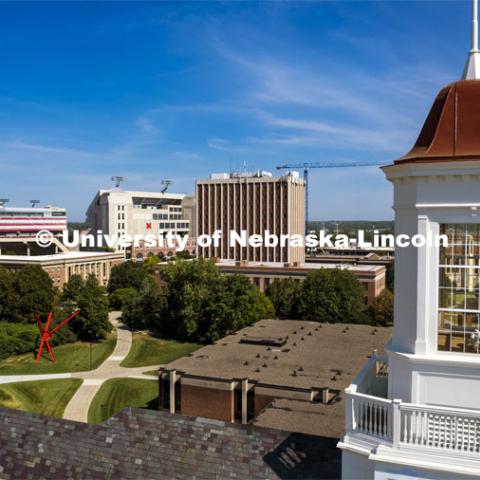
point(405, 428)
point(369, 409)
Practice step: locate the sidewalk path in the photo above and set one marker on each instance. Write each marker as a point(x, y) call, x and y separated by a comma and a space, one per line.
point(77, 408)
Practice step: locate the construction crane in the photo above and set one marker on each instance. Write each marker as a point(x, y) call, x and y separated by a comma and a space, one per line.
point(306, 166)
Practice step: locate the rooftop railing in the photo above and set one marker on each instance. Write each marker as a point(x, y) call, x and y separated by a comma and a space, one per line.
point(399, 424)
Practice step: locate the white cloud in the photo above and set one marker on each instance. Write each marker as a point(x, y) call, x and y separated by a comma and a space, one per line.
point(186, 155)
point(145, 125)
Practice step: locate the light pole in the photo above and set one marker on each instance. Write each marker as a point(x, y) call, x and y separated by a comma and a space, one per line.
point(336, 224)
point(90, 334)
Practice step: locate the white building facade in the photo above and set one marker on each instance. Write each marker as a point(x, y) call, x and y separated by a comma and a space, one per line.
point(416, 412)
point(117, 212)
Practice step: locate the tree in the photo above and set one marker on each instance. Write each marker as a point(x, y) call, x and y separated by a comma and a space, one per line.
point(92, 323)
point(6, 295)
point(381, 311)
point(284, 294)
point(331, 295)
point(122, 297)
point(32, 293)
point(234, 304)
point(149, 263)
point(190, 287)
point(198, 303)
point(246, 303)
point(145, 309)
point(125, 275)
point(72, 289)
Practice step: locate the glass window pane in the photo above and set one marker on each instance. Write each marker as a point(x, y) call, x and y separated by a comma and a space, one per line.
point(447, 319)
point(452, 298)
point(471, 300)
point(445, 300)
point(453, 255)
point(473, 232)
point(471, 322)
point(472, 334)
point(452, 277)
point(458, 250)
point(472, 278)
point(472, 254)
point(459, 236)
point(459, 289)
point(444, 341)
point(457, 341)
point(446, 255)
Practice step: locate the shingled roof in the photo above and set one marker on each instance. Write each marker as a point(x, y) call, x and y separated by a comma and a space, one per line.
point(148, 444)
point(452, 128)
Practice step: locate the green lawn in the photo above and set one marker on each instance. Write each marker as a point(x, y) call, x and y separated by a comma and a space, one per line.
point(118, 393)
point(49, 397)
point(147, 350)
point(73, 357)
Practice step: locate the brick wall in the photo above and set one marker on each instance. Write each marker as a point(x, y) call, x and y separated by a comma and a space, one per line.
point(207, 402)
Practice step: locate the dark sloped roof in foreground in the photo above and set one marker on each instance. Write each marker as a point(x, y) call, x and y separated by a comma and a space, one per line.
point(138, 444)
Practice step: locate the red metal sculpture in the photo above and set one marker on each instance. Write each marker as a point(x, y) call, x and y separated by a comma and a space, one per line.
point(46, 334)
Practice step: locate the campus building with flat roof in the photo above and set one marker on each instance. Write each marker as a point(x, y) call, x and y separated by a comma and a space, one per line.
point(62, 266)
point(371, 277)
point(273, 373)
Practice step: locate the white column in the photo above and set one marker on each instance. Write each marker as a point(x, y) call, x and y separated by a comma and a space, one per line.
point(396, 422)
point(244, 401)
point(173, 377)
point(423, 284)
point(349, 414)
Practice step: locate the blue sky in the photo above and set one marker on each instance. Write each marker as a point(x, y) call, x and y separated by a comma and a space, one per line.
point(178, 90)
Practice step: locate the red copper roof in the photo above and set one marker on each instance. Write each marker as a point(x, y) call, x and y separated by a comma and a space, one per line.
point(452, 128)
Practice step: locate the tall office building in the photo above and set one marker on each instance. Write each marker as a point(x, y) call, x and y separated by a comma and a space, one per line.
point(254, 202)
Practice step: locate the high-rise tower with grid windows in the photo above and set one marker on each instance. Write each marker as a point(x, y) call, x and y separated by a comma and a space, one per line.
point(254, 203)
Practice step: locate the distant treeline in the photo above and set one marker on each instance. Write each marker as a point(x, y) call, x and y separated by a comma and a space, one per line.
point(78, 226)
point(350, 227)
